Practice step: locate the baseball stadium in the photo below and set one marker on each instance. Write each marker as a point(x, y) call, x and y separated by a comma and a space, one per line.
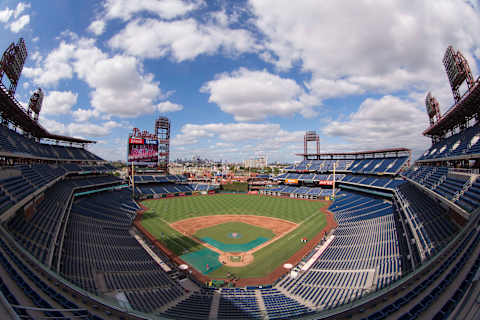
point(370, 234)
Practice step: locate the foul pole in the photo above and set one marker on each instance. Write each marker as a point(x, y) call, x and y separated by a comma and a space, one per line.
point(333, 186)
point(133, 181)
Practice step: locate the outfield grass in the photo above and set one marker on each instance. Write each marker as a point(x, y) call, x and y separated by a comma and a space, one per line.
point(247, 232)
point(305, 213)
point(174, 209)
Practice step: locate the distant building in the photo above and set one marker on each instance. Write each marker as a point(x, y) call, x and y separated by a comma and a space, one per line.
point(257, 162)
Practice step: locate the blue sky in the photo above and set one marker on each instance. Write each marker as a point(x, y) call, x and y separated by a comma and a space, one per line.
point(241, 77)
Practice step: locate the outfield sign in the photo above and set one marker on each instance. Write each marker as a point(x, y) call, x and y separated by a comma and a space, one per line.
point(325, 182)
point(291, 181)
point(136, 141)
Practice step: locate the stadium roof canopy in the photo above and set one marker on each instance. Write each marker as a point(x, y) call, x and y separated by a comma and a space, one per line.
point(12, 110)
point(460, 112)
point(354, 155)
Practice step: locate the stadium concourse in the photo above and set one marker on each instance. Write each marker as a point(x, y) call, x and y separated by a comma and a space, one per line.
point(407, 243)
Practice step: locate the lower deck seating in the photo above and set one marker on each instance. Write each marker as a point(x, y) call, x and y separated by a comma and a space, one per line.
point(428, 221)
point(238, 303)
point(172, 188)
point(36, 293)
point(36, 229)
point(470, 199)
point(279, 306)
point(100, 254)
point(308, 191)
point(197, 306)
point(363, 256)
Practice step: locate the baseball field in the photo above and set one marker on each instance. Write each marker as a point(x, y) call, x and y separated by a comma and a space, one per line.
point(244, 235)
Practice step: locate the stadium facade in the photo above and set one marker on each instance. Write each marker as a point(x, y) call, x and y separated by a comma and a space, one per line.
point(406, 245)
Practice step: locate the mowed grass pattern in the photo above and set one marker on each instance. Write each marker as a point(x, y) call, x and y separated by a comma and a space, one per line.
point(305, 213)
point(179, 208)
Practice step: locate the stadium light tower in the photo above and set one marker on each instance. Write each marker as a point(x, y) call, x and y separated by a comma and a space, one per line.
point(12, 63)
point(310, 136)
point(458, 71)
point(162, 131)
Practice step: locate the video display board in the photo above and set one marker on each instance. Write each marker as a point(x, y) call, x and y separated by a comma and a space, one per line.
point(142, 151)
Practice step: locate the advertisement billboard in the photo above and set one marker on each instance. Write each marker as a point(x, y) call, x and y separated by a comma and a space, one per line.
point(142, 151)
point(325, 182)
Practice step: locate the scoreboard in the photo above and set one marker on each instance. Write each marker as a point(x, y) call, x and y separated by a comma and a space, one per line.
point(142, 151)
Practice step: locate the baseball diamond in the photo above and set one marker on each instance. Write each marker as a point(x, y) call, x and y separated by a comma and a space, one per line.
point(199, 230)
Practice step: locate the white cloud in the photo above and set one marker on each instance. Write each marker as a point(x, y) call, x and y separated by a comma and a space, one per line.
point(245, 132)
point(52, 125)
point(182, 39)
point(21, 6)
point(56, 66)
point(20, 23)
point(84, 129)
point(255, 95)
point(237, 141)
point(167, 9)
point(91, 129)
point(59, 102)
point(110, 149)
point(366, 46)
point(82, 115)
point(120, 87)
point(168, 106)
point(97, 27)
point(5, 15)
point(382, 123)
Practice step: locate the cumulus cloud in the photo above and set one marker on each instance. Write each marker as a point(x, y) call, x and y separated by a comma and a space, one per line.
point(97, 27)
point(119, 85)
point(166, 9)
point(83, 129)
point(168, 106)
point(91, 129)
point(366, 46)
point(19, 21)
point(84, 114)
point(56, 66)
point(52, 126)
point(182, 39)
point(382, 123)
point(112, 150)
point(21, 6)
point(237, 141)
point(59, 102)
point(246, 132)
point(5, 14)
point(255, 95)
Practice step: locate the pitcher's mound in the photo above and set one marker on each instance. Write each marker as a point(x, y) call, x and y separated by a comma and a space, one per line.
point(235, 235)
